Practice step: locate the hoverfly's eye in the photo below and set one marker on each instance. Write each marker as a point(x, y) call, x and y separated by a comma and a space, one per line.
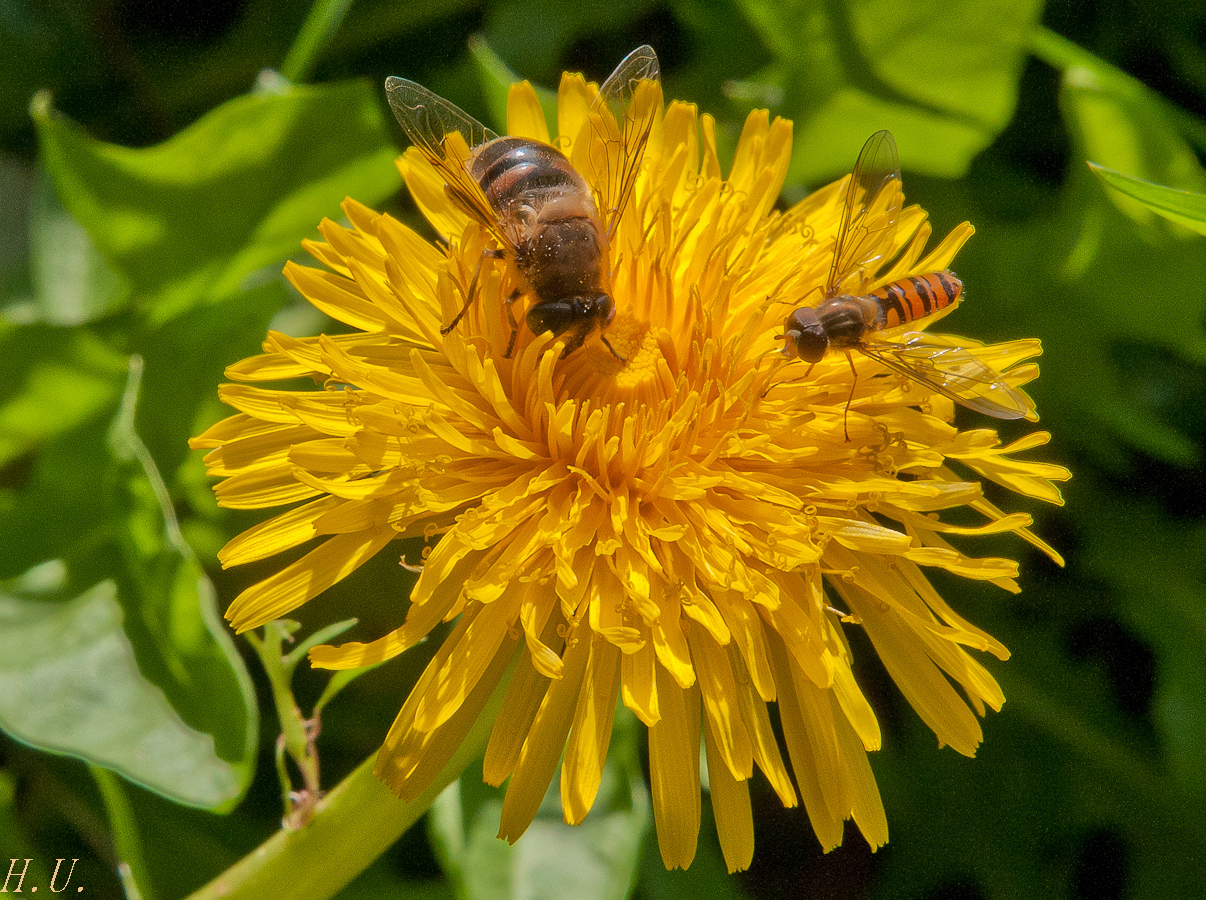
point(803, 329)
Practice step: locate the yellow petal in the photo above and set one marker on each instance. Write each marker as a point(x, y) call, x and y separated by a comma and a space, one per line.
point(467, 661)
point(525, 693)
point(720, 696)
point(674, 772)
point(525, 118)
point(410, 759)
point(639, 685)
point(921, 682)
point(811, 756)
point(586, 751)
point(731, 809)
point(282, 593)
point(545, 742)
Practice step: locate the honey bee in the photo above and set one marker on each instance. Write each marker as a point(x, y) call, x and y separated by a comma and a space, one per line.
point(843, 320)
point(536, 205)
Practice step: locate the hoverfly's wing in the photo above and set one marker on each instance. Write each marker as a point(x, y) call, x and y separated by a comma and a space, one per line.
point(869, 215)
point(621, 120)
point(953, 372)
point(447, 136)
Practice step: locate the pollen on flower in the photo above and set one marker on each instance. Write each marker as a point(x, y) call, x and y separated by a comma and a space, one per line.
point(601, 375)
point(689, 526)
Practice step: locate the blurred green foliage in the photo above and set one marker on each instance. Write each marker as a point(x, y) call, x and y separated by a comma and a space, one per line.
point(153, 179)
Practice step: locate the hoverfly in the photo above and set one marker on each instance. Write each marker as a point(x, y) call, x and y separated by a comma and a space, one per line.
point(536, 205)
point(843, 320)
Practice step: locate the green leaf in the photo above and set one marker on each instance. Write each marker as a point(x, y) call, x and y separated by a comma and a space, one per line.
point(185, 359)
point(1183, 207)
point(185, 222)
point(1122, 124)
point(591, 861)
point(73, 283)
point(542, 33)
point(16, 842)
point(69, 683)
point(202, 671)
point(93, 498)
point(320, 26)
point(17, 179)
point(943, 78)
point(495, 78)
point(1120, 310)
point(56, 379)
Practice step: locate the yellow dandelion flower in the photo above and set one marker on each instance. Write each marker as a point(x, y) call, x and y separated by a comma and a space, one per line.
point(679, 521)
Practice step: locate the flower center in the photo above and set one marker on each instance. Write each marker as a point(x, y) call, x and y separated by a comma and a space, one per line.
point(594, 372)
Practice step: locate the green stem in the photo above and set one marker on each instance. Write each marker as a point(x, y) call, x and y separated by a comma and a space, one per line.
point(126, 838)
point(321, 24)
point(352, 826)
point(293, 727)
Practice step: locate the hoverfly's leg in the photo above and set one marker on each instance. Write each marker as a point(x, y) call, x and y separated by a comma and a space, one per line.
point(771, 373)
point(850, 399)
point(471, 294)
point(515, 295)
point(779, 360)
point(607, 344)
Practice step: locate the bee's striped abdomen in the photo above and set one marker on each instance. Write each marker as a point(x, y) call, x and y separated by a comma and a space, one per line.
point(513, 170)
point(912, 298)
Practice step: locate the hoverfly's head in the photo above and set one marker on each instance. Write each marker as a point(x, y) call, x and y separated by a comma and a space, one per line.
point(806, 337)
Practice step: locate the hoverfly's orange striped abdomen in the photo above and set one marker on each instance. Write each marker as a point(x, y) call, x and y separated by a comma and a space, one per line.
point(844, 321)
point(913, 298)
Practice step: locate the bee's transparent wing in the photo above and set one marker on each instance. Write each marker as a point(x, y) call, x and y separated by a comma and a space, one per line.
point(447, 136)
point(621, 120)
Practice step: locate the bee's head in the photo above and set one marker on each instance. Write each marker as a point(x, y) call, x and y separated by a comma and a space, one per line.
point(806, 337)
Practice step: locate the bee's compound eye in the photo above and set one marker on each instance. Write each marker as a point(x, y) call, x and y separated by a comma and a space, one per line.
point(806, 335)
point(551, 315)
point(586, 311)
point(606, 309)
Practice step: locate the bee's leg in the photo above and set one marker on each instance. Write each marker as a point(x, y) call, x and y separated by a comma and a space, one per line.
point(515, 295)
point(576, 341)
point(850, 399)
point(471, 294)
point(607, 344)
